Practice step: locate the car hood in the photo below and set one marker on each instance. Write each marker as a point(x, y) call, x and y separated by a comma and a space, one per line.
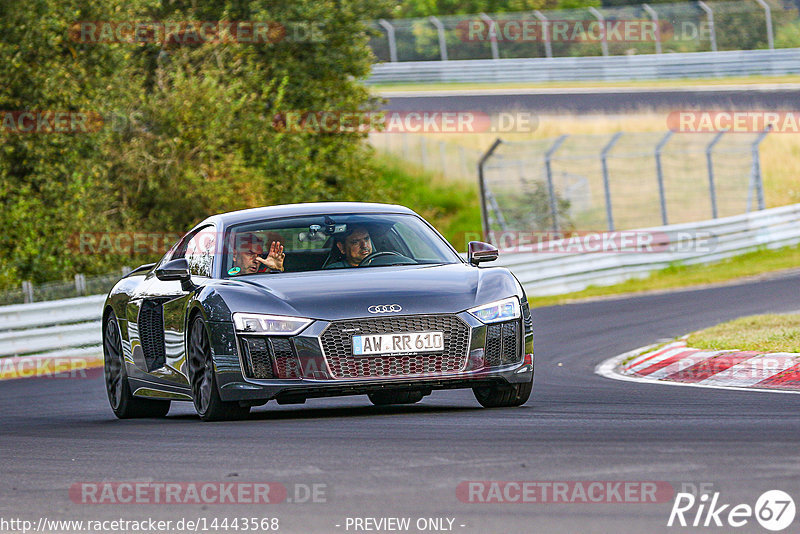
point(347, 293)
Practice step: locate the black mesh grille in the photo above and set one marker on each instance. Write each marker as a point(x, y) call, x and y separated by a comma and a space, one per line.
point(151, 334)
point(494, 345)
point(502, 343)
point(510, 342)
point(257, 361)
point(286, 364)
point(338, 346)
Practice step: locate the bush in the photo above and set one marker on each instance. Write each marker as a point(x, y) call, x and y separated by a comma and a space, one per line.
point(193, 130)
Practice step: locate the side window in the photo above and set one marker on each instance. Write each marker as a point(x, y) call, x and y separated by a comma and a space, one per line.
point(200, 251)
point(420, 249)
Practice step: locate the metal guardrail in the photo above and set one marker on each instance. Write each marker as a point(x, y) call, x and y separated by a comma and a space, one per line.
point(67, 328)
point(610, 68)
point(39, 314)
point(553, 273)
point(75, 323)
point(589, 31)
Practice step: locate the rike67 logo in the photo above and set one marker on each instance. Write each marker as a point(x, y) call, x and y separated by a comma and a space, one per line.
point(774, 510)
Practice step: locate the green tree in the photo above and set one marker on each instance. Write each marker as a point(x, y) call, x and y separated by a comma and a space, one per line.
point(191, 128)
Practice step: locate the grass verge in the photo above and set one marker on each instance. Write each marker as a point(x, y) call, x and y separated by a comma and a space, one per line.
point(639, 84)
point(770, 333)
point(683, 276)
point(453, 208)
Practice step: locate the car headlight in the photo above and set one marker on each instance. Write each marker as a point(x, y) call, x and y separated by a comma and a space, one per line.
point(257, 323)
point(500, 310)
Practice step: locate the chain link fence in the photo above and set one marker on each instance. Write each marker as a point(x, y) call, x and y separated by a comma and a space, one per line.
point(451, 160)
point(82, 285)
point(619, 181)
point(640, 29)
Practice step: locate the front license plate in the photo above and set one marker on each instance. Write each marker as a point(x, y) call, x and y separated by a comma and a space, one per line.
point(400, 343)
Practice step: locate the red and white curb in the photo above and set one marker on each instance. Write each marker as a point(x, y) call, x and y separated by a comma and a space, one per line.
point(678, 365)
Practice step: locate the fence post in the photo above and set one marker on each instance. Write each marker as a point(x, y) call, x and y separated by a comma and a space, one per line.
point(606, 182)
point(27, 292)
point(423, 152)
point(660, 176)
point(768, 15)
point(548, 46)
point(602, 20)
point(551, 190)
point(482, 186)
point(712, 30)
point(492, 34)
point(462, 154)
point(404, 144)
point(443, 157)
point(755, 176)
point(80, 284)
point(654, 15)
point(442, 42)
point(710, 164)
point(390, 36)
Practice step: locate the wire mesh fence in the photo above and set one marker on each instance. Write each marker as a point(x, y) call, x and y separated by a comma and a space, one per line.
point(619, 181)
point(81, 286)
point(640, 29)
point(451, 160)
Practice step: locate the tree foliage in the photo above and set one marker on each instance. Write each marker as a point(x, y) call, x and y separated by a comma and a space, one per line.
point(189, 127)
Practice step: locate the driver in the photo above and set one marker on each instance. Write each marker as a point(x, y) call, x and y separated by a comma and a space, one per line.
point(247, 256)
point(354, 246)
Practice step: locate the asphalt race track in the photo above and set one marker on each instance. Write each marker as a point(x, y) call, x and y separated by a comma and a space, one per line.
point(408, 461)
point(598, 100)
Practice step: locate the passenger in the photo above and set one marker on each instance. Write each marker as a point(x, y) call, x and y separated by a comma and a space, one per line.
point(247, 256)
point(354, 246)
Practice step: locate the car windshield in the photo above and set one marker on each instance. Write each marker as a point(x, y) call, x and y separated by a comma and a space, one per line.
point(328, 242)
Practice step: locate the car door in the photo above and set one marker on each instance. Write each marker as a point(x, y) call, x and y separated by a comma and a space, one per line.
point(156, 315)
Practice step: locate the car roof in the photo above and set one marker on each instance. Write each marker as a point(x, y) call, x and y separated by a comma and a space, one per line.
point(300, 210)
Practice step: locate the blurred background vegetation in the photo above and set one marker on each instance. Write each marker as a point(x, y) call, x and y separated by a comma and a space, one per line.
point(188, 129)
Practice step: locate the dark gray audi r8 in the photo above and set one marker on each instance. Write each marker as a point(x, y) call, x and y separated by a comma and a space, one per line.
point(314, 300)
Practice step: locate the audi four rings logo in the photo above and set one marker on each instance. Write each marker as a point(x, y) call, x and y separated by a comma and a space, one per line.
point(385, 308)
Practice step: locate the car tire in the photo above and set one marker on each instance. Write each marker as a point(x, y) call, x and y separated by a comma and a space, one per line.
point(123, 403)
point(384, 398)
point(203, 379)
point(505, 396)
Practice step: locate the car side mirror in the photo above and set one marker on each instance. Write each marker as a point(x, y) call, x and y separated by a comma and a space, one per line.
point(177, 269)
point(479, 252)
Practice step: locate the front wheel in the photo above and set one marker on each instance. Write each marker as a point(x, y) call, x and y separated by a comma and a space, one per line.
point(120, 397)
point(505, 396)
point(205, 394)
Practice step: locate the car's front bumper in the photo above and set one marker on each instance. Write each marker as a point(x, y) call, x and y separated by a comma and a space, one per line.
point(317, 380)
